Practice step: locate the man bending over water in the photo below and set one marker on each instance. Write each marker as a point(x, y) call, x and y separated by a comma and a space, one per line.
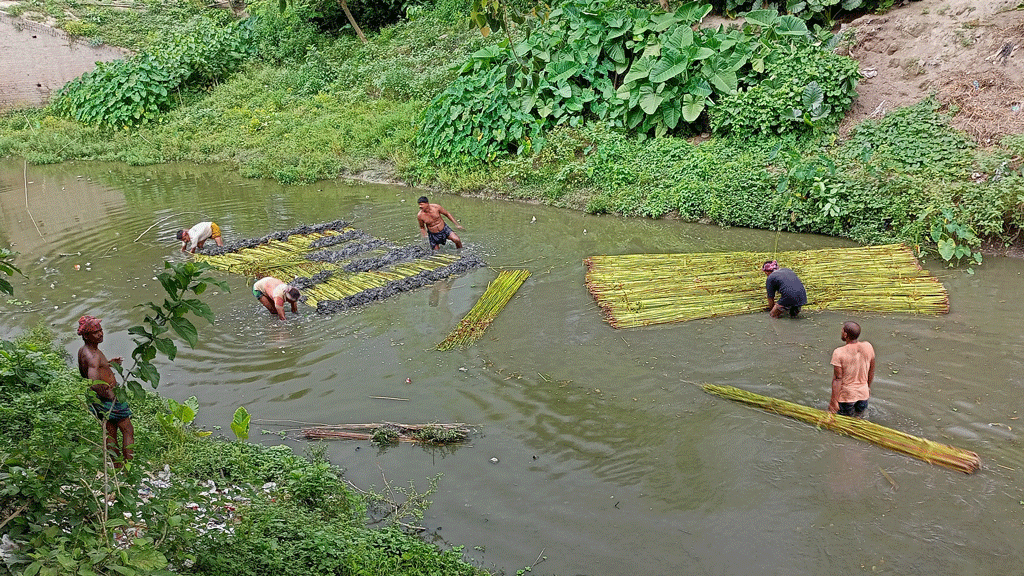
point(93, 364)
point(273, 294)
point(433, 225)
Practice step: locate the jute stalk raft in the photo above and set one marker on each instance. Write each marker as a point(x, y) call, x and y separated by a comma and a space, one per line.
point(336, 266)
point(493, 300)
point(643, 289)
point(931, 452)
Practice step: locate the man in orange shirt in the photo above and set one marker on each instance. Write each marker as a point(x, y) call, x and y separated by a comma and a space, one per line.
point(853, 371)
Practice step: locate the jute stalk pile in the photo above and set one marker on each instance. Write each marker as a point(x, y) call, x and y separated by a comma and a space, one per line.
point(491, 302)
point(932, 452)
point(354, 269)
point(642, 289)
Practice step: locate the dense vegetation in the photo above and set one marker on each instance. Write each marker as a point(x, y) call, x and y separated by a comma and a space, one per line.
point(587, 104)
point(186, 503)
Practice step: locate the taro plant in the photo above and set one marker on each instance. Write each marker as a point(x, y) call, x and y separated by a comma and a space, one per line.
point(176, 422)
point(954, 241)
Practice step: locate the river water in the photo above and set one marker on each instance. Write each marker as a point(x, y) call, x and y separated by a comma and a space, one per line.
point(609, 460)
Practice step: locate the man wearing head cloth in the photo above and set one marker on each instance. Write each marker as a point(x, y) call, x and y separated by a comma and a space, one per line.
point(93, 364)
point(789, 287)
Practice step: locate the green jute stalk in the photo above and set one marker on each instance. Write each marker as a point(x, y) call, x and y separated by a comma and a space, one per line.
point(491, 302)
point(642, 289)
point(932, 452)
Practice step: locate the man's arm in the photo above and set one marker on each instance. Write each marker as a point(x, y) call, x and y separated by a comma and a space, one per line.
point(871, 371)
point(450, 217)
point(423, 225)
point(279, 305)
point(837, 383)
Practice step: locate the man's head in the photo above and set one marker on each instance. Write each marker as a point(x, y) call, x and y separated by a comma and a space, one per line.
point(423, 202)
point(89, 328)
point(292, 294)
point(851, 331)
point(769, 266)
point(183, 235)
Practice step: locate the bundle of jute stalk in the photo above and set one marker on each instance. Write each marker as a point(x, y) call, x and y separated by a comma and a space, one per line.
point(642, 289)
point(498, 293)
point(273, 258)
point(932, 452)
point(341, 285)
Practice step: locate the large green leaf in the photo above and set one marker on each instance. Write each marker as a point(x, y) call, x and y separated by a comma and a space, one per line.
point(680, 38)
point(649, 100)
point(240, 423)
point(791, 26)
point(692, 107)
point(668, 67)
point(763, 18)
point(724, 80)
point(561, 70)
point(813, 96)
point(692, 12)
point(186, 330)
point(671, 115)
point(641, 69)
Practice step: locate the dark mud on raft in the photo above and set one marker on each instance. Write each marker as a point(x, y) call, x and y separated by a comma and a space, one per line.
point(462, 265)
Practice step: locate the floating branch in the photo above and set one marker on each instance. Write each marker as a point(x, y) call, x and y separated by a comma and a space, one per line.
point(931, 452)
point(391, 432)
point(643, 289)
point(493, 300)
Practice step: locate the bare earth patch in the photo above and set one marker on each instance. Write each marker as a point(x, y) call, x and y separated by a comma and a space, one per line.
point(968, 53)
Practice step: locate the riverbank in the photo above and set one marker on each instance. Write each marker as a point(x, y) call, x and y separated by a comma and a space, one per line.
point(348, 110)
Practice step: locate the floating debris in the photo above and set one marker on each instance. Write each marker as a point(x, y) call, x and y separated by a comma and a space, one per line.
point(391, 432)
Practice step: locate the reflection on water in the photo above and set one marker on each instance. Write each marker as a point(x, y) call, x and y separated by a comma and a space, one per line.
point(610, 459)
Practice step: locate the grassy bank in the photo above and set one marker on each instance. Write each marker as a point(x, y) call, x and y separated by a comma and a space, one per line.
point(317, 105)
point(218, 508)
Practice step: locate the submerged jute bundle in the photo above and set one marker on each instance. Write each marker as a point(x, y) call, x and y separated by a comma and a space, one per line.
point(491, 302)
point(643, 289)
point(356, 269)
point(932, 452)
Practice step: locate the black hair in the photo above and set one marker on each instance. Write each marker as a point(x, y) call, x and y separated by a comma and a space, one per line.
point(292, 294)
point(181, 234)
point(422, 200)
point(852, 330)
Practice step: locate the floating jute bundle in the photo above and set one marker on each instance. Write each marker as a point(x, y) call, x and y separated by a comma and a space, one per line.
point(493, 300)
point(643, 289)
point(932, 452)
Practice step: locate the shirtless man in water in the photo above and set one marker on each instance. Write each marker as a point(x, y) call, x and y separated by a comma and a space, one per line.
point(93, 364)
point(433, 225)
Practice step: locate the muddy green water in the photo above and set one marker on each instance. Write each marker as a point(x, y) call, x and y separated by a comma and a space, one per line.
point(609, 461)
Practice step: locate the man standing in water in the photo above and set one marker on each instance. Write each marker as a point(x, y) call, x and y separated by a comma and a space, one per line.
point(93, 364)
point(197, 235)
point(273, 294)
point(853, 371)
point(791, 290)
point(433, 225)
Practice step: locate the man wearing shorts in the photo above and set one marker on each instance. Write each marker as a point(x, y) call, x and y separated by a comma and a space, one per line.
point(273, 294)
point(197, 235)
point(789, 287)
point(433, 225)
point(116, 414)
point(853, 371)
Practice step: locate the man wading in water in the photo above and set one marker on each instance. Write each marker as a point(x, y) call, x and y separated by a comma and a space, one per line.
point(791, 290)
point(433, 225)
point(93, 364)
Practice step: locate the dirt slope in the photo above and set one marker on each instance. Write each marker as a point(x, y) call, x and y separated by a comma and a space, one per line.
point(966, 52)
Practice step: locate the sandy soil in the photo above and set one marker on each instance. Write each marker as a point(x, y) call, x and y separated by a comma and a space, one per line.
point(36, 60)
point(966, 52)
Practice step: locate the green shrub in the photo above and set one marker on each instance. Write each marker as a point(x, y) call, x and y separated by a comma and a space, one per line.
point(79, 28)
point(123, 93)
